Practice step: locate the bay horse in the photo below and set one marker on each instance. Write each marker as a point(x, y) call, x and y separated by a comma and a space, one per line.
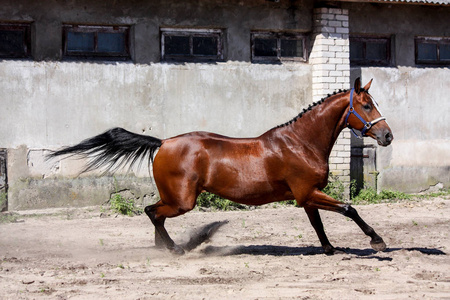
point(287, 162)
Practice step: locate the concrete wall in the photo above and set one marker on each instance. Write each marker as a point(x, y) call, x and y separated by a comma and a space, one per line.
point(62, 103)
point(417, 112)
point(415, 99)
point(50, 103)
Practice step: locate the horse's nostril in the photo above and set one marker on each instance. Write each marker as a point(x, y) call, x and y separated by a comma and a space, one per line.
point(389, 137)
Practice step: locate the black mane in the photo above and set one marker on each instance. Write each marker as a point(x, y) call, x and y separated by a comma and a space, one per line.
point(311, 106)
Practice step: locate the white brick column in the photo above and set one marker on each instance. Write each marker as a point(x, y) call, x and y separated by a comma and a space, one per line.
point(330, 60)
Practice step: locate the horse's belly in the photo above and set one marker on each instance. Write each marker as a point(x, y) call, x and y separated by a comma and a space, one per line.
point(251, 191)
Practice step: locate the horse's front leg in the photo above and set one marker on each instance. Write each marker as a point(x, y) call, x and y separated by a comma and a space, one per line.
point(316, 222)
point(376, 242)
point(320, 200)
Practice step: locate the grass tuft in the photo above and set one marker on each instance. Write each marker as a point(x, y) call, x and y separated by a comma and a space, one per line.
point(124, 206)
point(210, 200)
point(370, 196)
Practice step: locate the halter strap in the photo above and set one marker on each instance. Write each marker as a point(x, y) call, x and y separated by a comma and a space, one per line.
point(367, 125)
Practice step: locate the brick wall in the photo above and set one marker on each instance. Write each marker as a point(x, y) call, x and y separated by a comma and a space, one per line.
point(330, 59)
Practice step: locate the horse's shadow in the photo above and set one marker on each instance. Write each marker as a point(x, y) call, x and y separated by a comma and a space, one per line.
point(204, 234)
point(310, 250)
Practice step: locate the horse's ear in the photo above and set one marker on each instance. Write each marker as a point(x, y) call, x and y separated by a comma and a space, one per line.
point(367, 87)
point(358, 85)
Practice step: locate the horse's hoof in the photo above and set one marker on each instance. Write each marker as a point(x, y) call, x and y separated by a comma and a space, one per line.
point(177, 250)
point(378, 245)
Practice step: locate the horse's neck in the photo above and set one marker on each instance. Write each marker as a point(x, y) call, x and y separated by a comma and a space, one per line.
point(320, 127)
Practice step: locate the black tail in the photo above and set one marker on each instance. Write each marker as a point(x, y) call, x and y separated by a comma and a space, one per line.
point(113, 149)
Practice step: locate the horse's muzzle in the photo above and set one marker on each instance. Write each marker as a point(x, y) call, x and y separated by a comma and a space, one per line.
point(385, 137)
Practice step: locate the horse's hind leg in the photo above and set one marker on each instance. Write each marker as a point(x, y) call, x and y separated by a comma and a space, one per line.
point(157, 214)
point(316, 222)
point(159, 242)
point(320, 200)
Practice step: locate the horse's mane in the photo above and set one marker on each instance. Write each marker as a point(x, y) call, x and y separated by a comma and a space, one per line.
point(311, 106)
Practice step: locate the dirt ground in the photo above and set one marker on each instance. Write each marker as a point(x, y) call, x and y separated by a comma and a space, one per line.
point(270, 253)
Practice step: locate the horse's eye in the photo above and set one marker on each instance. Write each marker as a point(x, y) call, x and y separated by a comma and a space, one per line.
point(367, 107)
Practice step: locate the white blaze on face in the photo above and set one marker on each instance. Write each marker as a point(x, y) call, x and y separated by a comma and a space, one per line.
point(381, 118)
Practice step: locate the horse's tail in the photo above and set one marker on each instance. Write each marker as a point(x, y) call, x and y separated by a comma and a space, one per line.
point(113, 149)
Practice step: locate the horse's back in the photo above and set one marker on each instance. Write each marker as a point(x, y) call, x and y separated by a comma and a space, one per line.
point(196, 151)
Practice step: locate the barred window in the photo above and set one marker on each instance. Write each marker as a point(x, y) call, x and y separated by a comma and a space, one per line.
point(101, 42)
point(432, 50)
point(15, 40)
point(278, 46)
point(370, 51)
point(192, 44)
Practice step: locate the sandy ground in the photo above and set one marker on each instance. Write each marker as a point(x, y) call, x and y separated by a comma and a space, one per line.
point(270, 253)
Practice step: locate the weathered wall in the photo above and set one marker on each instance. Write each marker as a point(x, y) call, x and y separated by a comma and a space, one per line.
point(415, 103)
point(48, 103)
point(414, 99)
point(61, 103)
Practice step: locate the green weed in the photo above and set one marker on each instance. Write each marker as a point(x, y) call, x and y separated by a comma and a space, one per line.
point(335, 188)
point(214, 201)
point(288, 202)
point(371, 196)
point(120, 204)
point(123, 206)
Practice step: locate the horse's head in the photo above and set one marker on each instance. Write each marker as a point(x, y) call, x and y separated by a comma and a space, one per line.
point(364, 115)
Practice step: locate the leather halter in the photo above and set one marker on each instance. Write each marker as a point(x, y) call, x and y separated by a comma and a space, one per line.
point(367, 125)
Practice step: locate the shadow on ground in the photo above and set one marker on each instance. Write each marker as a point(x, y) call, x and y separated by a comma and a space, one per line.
point(205, 233)
point(295, 251)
